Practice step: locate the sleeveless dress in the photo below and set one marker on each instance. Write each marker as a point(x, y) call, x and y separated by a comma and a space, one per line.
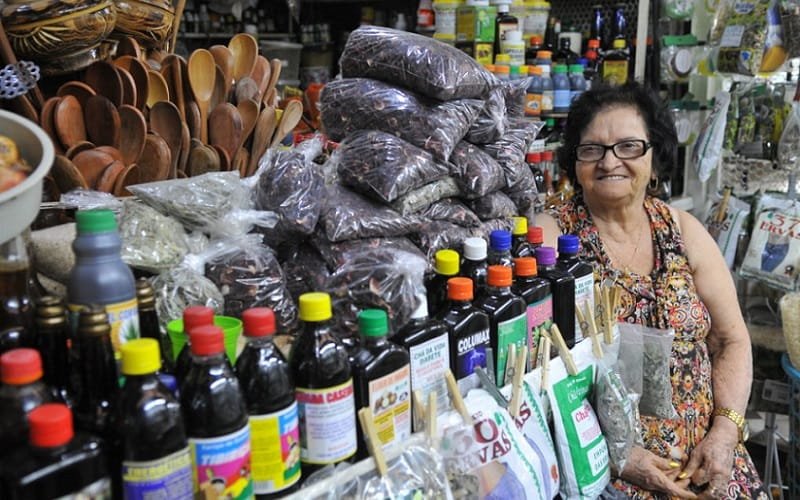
point(667, 298)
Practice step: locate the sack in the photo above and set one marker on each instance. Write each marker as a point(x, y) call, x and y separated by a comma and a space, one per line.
point(515, 93)
point(453, 211)
point(651, 378)
point(773, 255)
point(494, 206)
point(727, 230)
point(490, 125)
point(476, 172)
point(350, 216)
point(510, 149)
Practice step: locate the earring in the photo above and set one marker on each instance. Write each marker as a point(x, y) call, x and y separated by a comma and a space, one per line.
point(653, 185)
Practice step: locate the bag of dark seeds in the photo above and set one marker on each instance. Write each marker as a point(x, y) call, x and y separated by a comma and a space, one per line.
point(336, 255)
point(487, 226)
point(494, 206)
point(453, 211)
point(490, 125)
point(510, 150)
point(477, 173)
point(303, 267)
point(421, 198)
point(417, 62)
point(384, 166)
point(438, 235)
point(514, 92)
point(362, 104)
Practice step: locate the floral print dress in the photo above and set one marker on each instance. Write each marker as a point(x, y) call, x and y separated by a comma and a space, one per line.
point(667, 298)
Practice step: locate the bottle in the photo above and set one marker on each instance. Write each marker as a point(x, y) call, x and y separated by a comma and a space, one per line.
point(21, 392)
point(536, 293)
point(445, 267)
point(535, 237)
point(502, 72)
point(563, 287)
point(504, 22)
point(577, 82)
point(193, 316)
point(16, 306)
point(549, 166)
point(101, 277)
point(582, 271)
point(324, 387)
point(551, 34)
point(58, 463)
point(592, 54)
point(500, 248)
point(534, 161)
point(619, 29)
point(514, 73)
point(547, 82)
point(534, 47)
point(565, 55)
point(149, 326)
point(533, 95)
point(216, 418)
point(507, 317)
point(501, 60)
point(426, 340)
point(514, 46)
point(52, 334)
point(614, 68)
point(155, 454)
point(425, 16)
point(474, 265)
point(561, 89)
point(597, 27)
point(519, 238)
point(382, 381)
point(268, 388)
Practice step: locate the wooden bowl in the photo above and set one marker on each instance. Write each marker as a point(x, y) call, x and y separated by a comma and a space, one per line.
point(147, 21)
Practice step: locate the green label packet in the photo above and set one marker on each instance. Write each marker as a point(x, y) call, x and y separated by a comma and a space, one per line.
point(512, 331)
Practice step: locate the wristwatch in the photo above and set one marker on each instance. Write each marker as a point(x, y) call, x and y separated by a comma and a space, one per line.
point(736, 418)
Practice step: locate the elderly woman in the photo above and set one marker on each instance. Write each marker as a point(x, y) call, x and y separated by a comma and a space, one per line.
point(673, 276)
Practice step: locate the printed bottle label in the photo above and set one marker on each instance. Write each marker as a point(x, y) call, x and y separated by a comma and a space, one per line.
point(561, 99)
point(540, 318)
point(430, 360)
point(275, 439)
point(327, 423)
point(615, 72)
point(98, 490)
point(390, 402)
point(512, 331)
point(122, 316)
point(584, 292)
point(533, 104)
point(222, 464)
point(471, 353)
point(547, 101)
point(166, 477)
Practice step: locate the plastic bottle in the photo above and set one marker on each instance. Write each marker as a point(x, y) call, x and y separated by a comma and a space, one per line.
point(216, 418)
point(324, 387)
point(533, 95)
point(445, 267)
point(52, 334)
point(592, 54)
point(382, 380)
point(425, 15)
point(58, 463)
point(534, 47)
point(561, 89)
point(597, 26)
point(563, 287)
point(502, 72)
point(538, 297)
point(149, 326)
point(534, 161)
point(193, 316)
point(504, 22)
point(21, 392)
point(101, 277)
point(577, 82)
point(514, 73)
point(266, 380)
point(514, 46)
point(543, 57)
point(469, 334)
point(500, 248)
point(614, 68)
point(16, 304)
point(535, 237)
point(155, 454)
point(519, 238)
point(565, 55)
point(501, 60)
point(507, 317)
point(474, 265)
point(582, 271)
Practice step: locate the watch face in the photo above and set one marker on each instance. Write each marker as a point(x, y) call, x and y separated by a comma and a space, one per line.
point(745, 432)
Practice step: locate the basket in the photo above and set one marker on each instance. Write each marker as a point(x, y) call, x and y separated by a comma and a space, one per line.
point(794, 427)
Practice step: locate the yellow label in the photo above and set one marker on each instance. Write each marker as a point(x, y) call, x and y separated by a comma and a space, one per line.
point(615, 72)
point(275, 450)
point(123, 318)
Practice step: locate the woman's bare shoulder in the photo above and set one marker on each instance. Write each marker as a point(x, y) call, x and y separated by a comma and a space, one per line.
point(550, 228)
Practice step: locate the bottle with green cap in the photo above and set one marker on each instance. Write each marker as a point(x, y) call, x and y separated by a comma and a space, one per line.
point(382, 380)
point(323, 381)
point(519, 238)
point(101, 277)
point(155, 453)
point(446, 266)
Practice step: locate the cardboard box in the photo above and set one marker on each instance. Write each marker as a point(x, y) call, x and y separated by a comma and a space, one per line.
point(483, 52)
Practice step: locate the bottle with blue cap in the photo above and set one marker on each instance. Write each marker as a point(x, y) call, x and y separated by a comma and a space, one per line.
point(500, 248)
point(562, 284)
point(568, 261)
point(474, 265)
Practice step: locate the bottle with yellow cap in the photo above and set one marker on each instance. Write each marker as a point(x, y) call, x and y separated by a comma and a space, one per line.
point(320, 367)
point(21, 392)
point(519, 238)
point(446, 266)
point(155, 453)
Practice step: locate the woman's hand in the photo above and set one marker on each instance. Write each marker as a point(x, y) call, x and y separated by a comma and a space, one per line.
point(645, 469)
point(711, 462)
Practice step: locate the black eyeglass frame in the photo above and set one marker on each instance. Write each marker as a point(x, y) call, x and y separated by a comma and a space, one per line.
point(645, 145)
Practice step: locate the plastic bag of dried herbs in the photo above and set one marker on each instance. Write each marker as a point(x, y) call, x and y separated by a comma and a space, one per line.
point(452, 210)
point(490, 124)
point(336, 255)
point(362, 104)
point(514, 93)
point(303, 267)
point(417, 62)
point(384, 166)
point(421, 198)
point(494, 206)
point(477, 173)
point(181, 287)
point(487, 226)
point(655, 382)
point(510, 150)
point(150, 241)
point(437, 235)
point(524, 193)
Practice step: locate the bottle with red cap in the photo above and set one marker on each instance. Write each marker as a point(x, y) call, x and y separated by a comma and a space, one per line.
point(22, 391)
point(469, 334)
point(268, 388)
point(535, 291)
point(193, 316)
point(58, 463)
point(534, 161)
point(215, 414)
point(508, 321)
point(535, 238)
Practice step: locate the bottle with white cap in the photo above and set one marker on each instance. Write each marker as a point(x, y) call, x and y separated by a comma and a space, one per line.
point(514, 46)
point(474, 264)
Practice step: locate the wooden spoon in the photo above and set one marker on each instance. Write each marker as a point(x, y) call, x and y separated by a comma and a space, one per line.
point(67, 175)
point(92, 163)
point(165, 120)
point(202, 76)
point(218, 96)
point(138, 72)
point(261, 137)
point(225, 128)
point(248, 110)
point(128, 177)
point(186, 139)
point(246, 90)
point(289, 119)
point(47, 121)
point(244, 48)
point(109, 176)
point(154, 164)
point(128, 46)
point(261, 75)
point(157, 88)
point(112, 152)
point(80, 90)
point(176, 22)
point(77, 148)
point(68, 121)
point(134, 129)
point(224, 59)
point(240, 162)
point(104, 79)
point(103, 124)
point(129, 92)
point(275, 67)
point(202, 159)
point(224, 159)
point(193, 119)
point(269, 97)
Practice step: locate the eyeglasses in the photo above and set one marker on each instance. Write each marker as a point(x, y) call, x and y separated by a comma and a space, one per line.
point(625, 150)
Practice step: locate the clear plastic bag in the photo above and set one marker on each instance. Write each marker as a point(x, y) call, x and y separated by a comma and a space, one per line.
point(490, 124)
point(524, 193)
point(336, 255)
point(708, 147)
point(514, 94)
point(476, 172)
point(150, 241)
point(494, 206)
point(89, 199)
point(303, 268)
point(421, 198)
point(487, 226)
point(656, 383)
point(363, 104)
point(416, 62)
point(510, 150)
point(453, 211)
point(615, 407)
point(181, 287)
point(439, 235)
point(384, 166)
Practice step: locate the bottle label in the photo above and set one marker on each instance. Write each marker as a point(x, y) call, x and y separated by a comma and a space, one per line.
point(540, 318)
point(275, 439)
point(222, 464)
point(615, 72)
point(327, 423)
point(430, 360)
point(584, 293)
point(166, 477)
point(512, 331)
point(122, 316)
point(547, 101)
point(471, 354)
point(561, 99)
point(533, 104)
point(98, 490)
point(390, 402)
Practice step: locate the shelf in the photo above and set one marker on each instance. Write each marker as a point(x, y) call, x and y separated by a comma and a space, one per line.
point(206, 36)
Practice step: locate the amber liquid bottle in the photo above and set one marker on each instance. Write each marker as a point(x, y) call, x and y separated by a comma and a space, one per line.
point(16, 306)
point(535, 291)
point(52, 335)
point(562, 285)
point(21, 392)
point(193, 317)
point(446, 266)
point(148, 323)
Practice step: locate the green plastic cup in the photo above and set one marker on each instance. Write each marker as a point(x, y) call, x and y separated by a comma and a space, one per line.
point(231, 329)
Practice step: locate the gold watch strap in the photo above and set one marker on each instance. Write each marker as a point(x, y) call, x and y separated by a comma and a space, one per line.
point(732, 415)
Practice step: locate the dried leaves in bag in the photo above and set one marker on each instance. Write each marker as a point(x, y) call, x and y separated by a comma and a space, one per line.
point(509, 150)
point(181, 287)
point(453, 211)
point(150, 241)
point(336, 255)
point(514, 93)
point(421, 198)
point(477, 173)
point(505, 223)
point(363, 104)
point(524, 192)
point(384, 166)
point(493, 206)
point(490, 125)
point(615, 407)
point(417, 62)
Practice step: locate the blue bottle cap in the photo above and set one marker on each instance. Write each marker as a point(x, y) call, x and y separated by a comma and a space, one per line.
point(568, 243)
point(500, 239)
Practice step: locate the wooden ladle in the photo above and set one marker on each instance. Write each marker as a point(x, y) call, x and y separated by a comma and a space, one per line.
point(244, 48)
point(135, 129)
point(262, 134)
point(157, 88)
point(68, 121)
point(289, 120)
point(202, 76)
point(225, 128)
point(224, 59)
point(103, 123)
point(165, 120)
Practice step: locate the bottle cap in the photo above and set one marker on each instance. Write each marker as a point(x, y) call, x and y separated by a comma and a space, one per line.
point(315, 307)
point(503, 69)
point(258, 322)
point(373, 323)
point(459, 289)
point(140, 357)
point(544, 54)
point(421, 311)
point(594, 43)
point(583, 62)
point(559, 68)
point(536, 40)
point(525, 266)
point(535, 234)
point(489, 67)
point(514, 72)
point(207, 340)
point(569, 244)
point(20, 366)
point(499, 276)
point(446, 262)
point(546, 256)
point(533, 157)
point(502, 59)
point(93, 321)
point(50, 425)
point(523, 69)
point(500, 239)
point(145, 295)
point(95, 221)
point(475, 248)
point(547, 156)
point(520, 225)
point(195, 316)
point(619, 43)
point(576, 68)
point(50, 312)
point(535, 70)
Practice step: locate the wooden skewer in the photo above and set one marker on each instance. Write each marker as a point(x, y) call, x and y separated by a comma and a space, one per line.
point(458, 400)
point(595, 335)
point(563, 350)
point(419, 408)
point(516, 383)
point(430, 428)
point(545, 363)
point(373, 443)
point(609, 315)
point(511, 360)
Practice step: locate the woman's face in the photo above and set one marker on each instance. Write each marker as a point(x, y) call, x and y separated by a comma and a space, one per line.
point(611, 181)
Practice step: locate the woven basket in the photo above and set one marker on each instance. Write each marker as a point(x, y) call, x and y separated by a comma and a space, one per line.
point(790, 316)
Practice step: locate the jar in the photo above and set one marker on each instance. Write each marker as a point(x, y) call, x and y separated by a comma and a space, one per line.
point(148, 21)
point(536, 21)
point(445, 19)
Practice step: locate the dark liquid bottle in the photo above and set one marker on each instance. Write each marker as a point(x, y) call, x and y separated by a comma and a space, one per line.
point(582, 271)
point(155, 454)
point(500, 248)
point(535, 238)
point(266, 380)
point(193, 317)
point(519, 238)
point(324, 388)
point(469, 334)
point(507, 318)
point(535, 291)
point(57, 463)
point(563, 286)
point(445, 267)
point(21, 392)
point(52, 334)
point(503, 22)
point(474, 265)
point(382, 381)
point(216, 418)
point(148, 324)
point(16, 306)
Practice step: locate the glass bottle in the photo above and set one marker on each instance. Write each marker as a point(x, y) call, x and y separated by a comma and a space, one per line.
point(22, 391)
point(149, 325)
point(474, 264)
point(562, 285)
point(193, 316)
point(16, 306)
point(568, 247)
point(504, 23)
point(52, 336)
point(445, 267)
point(614, 68)
point(519, 238)
point(536, 293)
point(500, 248)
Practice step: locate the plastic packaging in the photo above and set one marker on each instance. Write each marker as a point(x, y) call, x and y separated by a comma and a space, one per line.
point(494, 205)
point(773, 255)
point(510, 150)
point(350, 216)
point(476, 172)
point(515, 93)
point(438, 235)
point(421, 198)
point(452, 210)
point(150, 241)
point(490, 123)
point(725, 227)
point(181, 287)
point(656, 384)
point(304, 268)
point(338, 254)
